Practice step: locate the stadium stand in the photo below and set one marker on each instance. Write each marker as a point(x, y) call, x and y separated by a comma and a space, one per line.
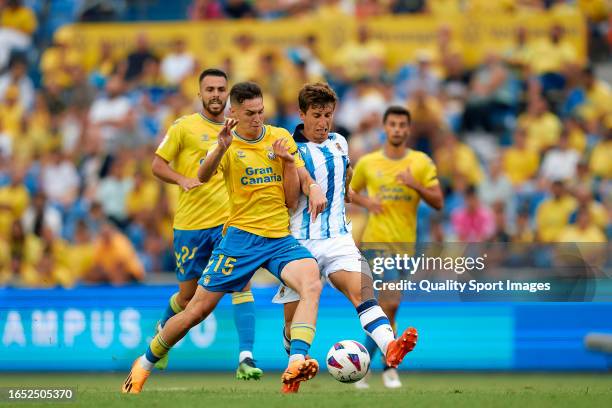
point(521, 133)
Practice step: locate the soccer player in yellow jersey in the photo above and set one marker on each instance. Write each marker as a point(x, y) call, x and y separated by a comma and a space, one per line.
point(259, 164)
point(201, 211)
point(396, 179)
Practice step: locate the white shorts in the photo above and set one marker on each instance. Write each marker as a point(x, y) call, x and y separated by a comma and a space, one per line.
point(332, 255)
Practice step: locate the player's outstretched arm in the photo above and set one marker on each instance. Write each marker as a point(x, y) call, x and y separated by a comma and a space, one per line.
point(316, 199)
point(162, 170)
point(211, 163)
point(291, 180)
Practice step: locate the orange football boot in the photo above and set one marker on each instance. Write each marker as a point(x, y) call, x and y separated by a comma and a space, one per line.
point(135, 380)
point(296, 372)
point(398, 348)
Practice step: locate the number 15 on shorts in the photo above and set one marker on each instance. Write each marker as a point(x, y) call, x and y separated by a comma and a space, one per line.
point(227, 266)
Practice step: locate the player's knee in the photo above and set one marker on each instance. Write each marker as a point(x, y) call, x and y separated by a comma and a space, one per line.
point(312, 289)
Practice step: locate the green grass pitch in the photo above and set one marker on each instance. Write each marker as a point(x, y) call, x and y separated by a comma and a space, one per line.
point(175, 390)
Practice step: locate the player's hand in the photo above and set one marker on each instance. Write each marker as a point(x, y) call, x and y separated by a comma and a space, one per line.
point(374, 206)
point(406, 178)
point(348, 197)
point(224, 138)
point(317, 202)
point(281, 150)
point(187, 183)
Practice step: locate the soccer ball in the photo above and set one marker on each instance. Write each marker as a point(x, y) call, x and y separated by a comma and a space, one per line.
point(348, 361)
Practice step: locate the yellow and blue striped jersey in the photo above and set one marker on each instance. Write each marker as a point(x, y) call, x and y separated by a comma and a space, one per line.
point(185, 146)
point(254, 180)
point(378, 174)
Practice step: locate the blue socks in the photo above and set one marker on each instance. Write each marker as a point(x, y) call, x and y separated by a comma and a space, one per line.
point(244, 318)
point(172, 309)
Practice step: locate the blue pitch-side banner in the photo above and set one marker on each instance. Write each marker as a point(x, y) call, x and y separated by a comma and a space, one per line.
point(106, 328)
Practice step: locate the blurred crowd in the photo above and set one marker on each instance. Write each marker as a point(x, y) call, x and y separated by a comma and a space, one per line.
point(269, 9)
point(522, 141)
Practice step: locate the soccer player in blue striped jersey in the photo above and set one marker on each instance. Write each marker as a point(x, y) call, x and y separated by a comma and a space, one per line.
point(328, 235)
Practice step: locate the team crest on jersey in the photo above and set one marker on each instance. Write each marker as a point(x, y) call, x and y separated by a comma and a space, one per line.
point(206, 279)
point(339, 147)
point(271, 154)
point(240, 154)
point(205, 138)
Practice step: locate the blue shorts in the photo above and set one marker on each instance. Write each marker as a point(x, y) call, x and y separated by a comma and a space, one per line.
point(192, 250)
point(240, 254)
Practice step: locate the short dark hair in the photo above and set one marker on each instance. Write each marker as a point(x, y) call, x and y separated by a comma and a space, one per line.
point(316, 96)
point(397, 110)
point(243, 91)
point(211, 72)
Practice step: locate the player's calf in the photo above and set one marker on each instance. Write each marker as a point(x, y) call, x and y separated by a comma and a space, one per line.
point(175, 329)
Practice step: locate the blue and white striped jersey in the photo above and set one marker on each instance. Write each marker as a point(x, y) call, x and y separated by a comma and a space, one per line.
point(327, 164)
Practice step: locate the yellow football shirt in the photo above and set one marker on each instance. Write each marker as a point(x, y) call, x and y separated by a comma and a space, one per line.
point(552, 216)
point(185, 146)
point(520, 165)
point(254, 179)
point(600, 163)
point(459, 159)
point(378, 174)
point(542, 132)
point(572, 233)
point(22, 19)
point(553, 57)
point(13, 203)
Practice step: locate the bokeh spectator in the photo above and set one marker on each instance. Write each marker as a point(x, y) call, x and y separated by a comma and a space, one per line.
point(205, 10)
point(112, 193)
point(12, 113)
point(115, 260)
point(246, 59)
point(543, 127)
point(520, 163)
point(17, 76)
point(17, 16)
point(136, 59)
point(14, 200)
point(456, 159)
point(178, 63)
point(560, 162)
point(239, 9)
point(111, 117)
point(364, 57)
point(42, 215)
point(491, 96)
point(583, 231)
point(475, 221)
point(553, 213)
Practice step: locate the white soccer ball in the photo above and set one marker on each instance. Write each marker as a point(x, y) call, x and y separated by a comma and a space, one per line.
point(348, 361)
